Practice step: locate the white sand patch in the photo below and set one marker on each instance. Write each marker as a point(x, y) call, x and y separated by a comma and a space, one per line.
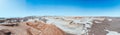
point(78, 26)
point(98, 22)
point(109, 19)
point(112, 33)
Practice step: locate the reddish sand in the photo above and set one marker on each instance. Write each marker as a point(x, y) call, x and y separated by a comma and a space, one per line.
point(30, 28)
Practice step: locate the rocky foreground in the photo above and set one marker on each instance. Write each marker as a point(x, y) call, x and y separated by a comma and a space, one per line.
point(60, 25)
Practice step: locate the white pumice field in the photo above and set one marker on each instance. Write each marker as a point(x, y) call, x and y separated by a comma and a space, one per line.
point(60, 25)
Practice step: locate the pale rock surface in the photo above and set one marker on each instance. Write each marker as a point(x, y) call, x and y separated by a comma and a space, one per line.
point(60, 25)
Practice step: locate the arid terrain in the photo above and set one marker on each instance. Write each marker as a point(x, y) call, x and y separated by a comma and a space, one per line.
point(60, 25)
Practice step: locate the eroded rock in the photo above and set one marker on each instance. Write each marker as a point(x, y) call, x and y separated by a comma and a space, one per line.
point(30, 28)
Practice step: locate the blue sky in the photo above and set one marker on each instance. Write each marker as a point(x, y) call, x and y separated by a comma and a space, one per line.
point(21, 8)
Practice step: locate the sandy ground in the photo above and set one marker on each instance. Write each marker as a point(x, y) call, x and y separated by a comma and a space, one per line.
point(30, 28)
point(99, 28)
point(61, 26)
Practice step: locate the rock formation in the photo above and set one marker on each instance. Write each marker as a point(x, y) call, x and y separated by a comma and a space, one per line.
point(29, 28)
point(60, 25)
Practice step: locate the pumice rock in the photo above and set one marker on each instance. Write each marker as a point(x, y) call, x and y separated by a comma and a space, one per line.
point(40, 28)
point(60, 25)
point(5, 32)
point(30, 28)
